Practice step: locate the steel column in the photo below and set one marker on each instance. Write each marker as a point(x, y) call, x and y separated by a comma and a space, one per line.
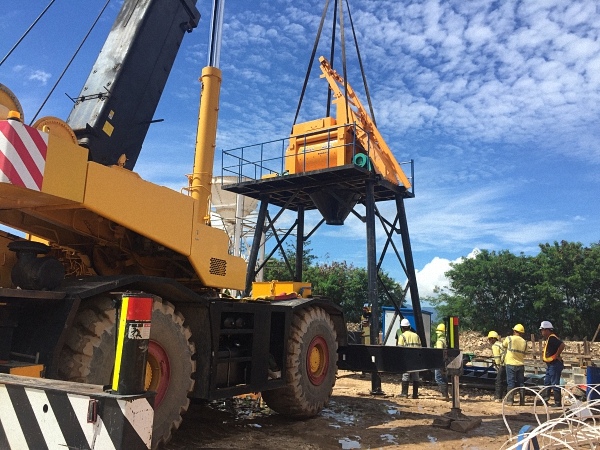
point(299, 244)
point(372, 275)
point(258, 231)
point(410, 269)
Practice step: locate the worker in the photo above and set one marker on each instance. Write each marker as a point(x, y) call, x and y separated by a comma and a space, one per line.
point(514, 361)
point(440, 375)
point(365, 324)
point(398, 334)
point(498, 353)
point(554, 364)
point(409, 338)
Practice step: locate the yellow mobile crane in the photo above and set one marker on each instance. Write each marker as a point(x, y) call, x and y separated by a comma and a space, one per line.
point(95, 228)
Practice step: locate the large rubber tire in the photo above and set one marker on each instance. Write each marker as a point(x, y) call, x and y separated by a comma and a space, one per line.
point(311, 366)
point(89, 354)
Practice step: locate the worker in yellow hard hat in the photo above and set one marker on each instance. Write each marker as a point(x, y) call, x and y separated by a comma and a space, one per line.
point(514, 361)
point(439, 374)
point(498, 353)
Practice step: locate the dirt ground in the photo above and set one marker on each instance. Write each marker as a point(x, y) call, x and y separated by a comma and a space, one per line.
point(352, 420)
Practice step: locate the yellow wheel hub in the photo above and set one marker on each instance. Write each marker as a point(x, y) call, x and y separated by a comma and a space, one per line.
point(317, 360)
point(152, 374)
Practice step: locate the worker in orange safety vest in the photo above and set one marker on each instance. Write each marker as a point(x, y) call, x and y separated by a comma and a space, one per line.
point(554, 364)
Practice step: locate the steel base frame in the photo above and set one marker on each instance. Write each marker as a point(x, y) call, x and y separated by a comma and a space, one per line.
point(293, 194)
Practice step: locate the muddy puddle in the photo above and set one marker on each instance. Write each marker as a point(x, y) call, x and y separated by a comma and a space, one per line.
point(350, 421)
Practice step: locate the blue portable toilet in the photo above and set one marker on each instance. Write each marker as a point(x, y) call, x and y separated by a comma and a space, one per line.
point(408, 313)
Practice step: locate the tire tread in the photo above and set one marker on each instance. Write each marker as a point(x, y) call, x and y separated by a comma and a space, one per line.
point(292, 400)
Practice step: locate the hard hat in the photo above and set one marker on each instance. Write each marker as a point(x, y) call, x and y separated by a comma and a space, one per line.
point(441, 327)
point(493, 334)
point(519, 328)
point(404, 323)
point(366, 305)
point(545, 325)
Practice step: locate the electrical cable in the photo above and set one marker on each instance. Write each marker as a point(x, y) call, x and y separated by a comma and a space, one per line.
point(70, 61)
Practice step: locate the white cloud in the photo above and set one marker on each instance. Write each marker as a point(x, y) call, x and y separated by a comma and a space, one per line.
point(40, 75)
point(433, 276)
point(525, 68)
point(445, 221)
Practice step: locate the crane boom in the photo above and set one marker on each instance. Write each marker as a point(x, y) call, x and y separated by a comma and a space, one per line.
point(117, 103)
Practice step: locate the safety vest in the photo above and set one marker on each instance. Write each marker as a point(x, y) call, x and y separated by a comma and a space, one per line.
point(441, 342)
point(498, 352)
point(409, 339)
point(516, 349)
point(550, 358)
point(366, 335)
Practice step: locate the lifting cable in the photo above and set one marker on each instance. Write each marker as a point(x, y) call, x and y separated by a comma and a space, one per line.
point(312, 58)
point(332, 55)
point(344, 71)
point(70, 61)
point(362, 70)
point(27, 32)
point(331, 58)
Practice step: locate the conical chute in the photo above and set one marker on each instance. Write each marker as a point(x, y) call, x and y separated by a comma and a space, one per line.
point(334, 204)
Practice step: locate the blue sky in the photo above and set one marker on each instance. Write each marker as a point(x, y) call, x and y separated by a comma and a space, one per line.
point(498, 103)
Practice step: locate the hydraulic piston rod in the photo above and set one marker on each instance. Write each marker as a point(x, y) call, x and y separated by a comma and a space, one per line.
point(206, 137)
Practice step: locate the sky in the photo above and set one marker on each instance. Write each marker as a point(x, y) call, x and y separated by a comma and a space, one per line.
point(496, 102)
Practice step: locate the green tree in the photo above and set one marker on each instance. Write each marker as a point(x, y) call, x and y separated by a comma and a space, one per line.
point(347, 285)
point(341, 282)
point(277, 269)
point(569, 288)
point(492, 291)
point(497, 290)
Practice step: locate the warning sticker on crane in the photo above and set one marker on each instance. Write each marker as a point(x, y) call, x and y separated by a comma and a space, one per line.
point(22, 154)
point(138, 330)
